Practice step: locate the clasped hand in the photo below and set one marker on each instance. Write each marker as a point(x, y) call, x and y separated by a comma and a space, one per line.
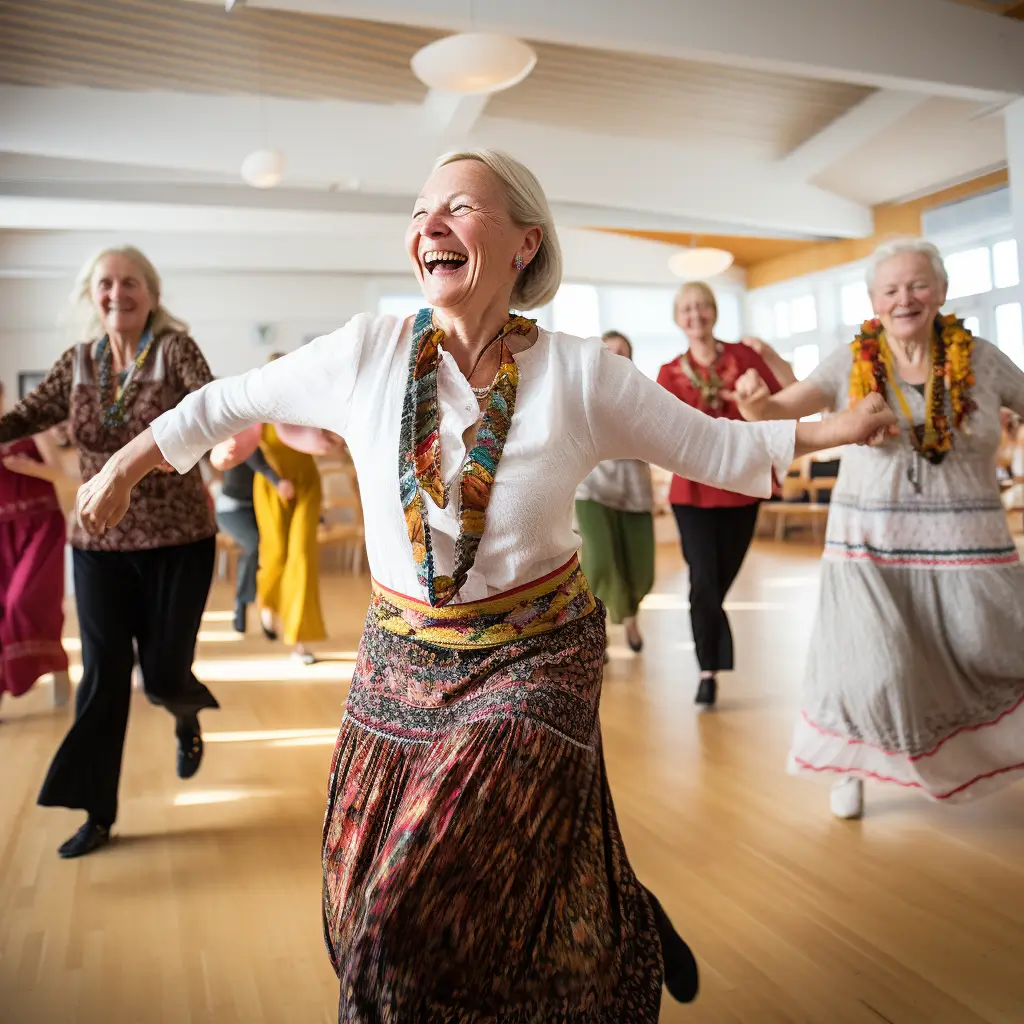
point(869, 422)
point(103, 501)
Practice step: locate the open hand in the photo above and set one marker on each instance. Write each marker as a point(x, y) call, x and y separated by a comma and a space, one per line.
point(22, 464)
point(750, 394)
point(286, 490)
point(102, 501)
point(869, 422)
point(756, 345)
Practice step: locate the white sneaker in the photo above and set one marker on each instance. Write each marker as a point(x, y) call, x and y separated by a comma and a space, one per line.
point(847, 798)
point(61, 689)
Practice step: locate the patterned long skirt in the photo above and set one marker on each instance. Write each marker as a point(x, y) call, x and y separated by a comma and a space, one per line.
point(31, 594)
point(473, 866)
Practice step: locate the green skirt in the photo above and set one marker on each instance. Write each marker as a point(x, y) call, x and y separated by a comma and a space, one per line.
point(617, 556)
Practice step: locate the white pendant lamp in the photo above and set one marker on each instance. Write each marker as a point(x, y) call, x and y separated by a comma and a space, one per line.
point(696, 264)
point(263, 168)
point(473, 63)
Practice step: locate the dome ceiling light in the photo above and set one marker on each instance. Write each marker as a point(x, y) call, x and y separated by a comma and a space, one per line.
point(473, 63)
point(263, 168)
point(696, 264)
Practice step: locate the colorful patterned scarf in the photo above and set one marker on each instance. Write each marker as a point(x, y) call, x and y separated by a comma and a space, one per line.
point(419, 454)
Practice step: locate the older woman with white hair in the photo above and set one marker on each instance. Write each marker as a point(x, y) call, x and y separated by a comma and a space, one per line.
point(473, 867)
point(916, 668)
point(145, 581)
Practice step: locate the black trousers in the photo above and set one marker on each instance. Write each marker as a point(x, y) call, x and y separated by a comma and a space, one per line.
point(240, 524)
point(715, 542)
point(155, 598)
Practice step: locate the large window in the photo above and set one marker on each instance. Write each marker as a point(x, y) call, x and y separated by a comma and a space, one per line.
point(575, 310)
point(804, 360)
point(786, 318)
point(644, 315)
point(803, 314)
point(970, 272)
point(855, 303)
point(1004, 262)
point(1010, 331)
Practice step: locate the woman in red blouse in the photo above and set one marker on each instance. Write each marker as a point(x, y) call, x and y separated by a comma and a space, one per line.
point(715, 526)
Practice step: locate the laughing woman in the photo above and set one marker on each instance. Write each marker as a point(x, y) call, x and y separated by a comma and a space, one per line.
point(473, 867)
point(916, 669)
point(145, 582)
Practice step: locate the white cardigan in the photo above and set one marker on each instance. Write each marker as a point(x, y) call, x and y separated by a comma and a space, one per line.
point(577, 405)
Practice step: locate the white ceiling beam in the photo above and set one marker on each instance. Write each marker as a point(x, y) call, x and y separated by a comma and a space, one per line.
point(450, 114)
point(386, 148)
point(918, 45)
point(849, 131)
point(122, 189)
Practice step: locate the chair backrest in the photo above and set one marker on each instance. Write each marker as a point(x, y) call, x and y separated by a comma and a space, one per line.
point(341, 502)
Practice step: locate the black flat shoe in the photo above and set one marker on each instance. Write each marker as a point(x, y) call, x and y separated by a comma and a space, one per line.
point(707, 692)
point(682, 978)
point(636, 646)
point(190, 746)
point(91, 836)
point(270, 634)
point(240, 617)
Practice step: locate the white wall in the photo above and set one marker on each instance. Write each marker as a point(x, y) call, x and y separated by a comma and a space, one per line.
point(222, 311)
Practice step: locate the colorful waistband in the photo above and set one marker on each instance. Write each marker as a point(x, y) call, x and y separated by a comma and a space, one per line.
point(538, 607)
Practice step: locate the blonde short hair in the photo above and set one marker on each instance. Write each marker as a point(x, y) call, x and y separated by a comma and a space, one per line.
point(161, 320)
point(702, 289)
point(897, 246)
point(528, 206)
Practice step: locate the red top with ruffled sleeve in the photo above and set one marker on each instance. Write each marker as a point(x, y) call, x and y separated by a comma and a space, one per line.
point(734, 359)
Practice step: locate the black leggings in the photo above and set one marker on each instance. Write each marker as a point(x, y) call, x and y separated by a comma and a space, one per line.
point(715, 542)
point(156, 598)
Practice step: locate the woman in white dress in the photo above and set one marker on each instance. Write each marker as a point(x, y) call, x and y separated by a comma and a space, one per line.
point(473, 867)
point(916, 668)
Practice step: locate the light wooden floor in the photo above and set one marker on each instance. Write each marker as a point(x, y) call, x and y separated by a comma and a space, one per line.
point(206, 909)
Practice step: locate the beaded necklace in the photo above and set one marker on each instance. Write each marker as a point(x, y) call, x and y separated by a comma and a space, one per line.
point(419, 454)
point(114, 403)
point(950, 373)
point(708, 387)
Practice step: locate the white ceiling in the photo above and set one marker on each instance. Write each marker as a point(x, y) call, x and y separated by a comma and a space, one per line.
point(941, 142)
point(691, 117)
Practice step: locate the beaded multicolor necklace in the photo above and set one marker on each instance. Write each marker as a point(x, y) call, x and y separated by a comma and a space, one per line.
point(419, 454)
point(113, 403)
point(949, 373)
point(708, 387)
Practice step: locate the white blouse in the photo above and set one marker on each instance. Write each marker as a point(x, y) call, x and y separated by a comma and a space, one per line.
point(577, 404)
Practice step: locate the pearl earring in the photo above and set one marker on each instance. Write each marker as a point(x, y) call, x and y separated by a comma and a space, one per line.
point(519, 261)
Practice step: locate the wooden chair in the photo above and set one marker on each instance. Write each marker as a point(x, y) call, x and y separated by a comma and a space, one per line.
point(228, 553)
point(341, 527)
point(799, 490)
point(1013, 502)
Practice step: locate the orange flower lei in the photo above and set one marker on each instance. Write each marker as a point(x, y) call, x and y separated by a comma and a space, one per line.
point(952, 347)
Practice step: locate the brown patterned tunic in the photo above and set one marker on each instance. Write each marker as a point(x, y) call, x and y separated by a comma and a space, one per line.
point(166, 509)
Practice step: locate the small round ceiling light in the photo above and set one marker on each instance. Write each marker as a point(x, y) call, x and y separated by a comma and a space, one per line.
point(263, 168)
point(473, 63)
point(696, 264)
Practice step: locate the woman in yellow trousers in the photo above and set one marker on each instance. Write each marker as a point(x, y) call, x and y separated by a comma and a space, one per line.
point(288, 581)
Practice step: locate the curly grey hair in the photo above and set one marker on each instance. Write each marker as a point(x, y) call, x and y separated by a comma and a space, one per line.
point(896, 246)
